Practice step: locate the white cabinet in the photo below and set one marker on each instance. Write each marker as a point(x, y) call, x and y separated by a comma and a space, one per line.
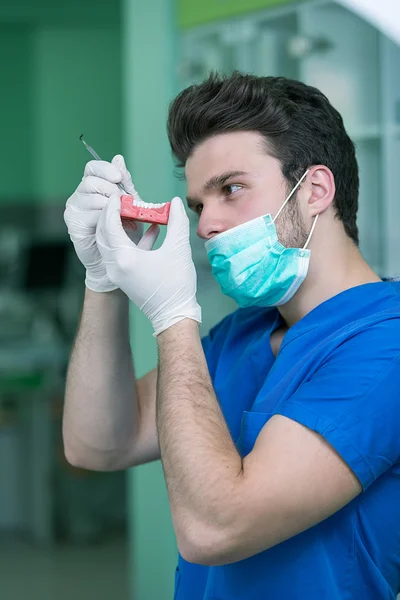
point(357, 67)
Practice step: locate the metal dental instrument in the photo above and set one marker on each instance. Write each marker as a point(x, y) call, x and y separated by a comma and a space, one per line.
point(129, 210)
point(97, 157)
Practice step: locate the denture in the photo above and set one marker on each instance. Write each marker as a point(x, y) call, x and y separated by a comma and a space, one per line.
point(146, 212)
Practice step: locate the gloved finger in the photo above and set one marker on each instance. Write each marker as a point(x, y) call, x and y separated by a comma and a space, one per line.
point(86, 202)
point(96, 185)
point(178, 222)
point(130, 225)
point(119, 162)
point(81, 220)
point(104, 170)
point(110, 231)
point(150, 237)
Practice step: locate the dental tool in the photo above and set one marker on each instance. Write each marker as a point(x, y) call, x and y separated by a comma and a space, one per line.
point(137, 210)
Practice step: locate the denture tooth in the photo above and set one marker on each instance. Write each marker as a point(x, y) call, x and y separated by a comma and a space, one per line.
point(137, 201)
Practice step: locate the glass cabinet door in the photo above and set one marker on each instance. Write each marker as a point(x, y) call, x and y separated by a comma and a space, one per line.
point(357, 67)
point(344, 64)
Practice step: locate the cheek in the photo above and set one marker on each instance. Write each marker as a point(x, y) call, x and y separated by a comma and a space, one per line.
point(250, 207)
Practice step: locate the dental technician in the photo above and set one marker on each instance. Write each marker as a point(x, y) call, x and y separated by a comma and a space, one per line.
point(279, 432)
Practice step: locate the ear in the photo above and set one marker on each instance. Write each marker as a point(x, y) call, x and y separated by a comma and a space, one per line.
point(320, 186)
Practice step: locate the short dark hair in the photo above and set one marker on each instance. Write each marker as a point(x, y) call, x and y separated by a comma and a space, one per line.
point(300, 126)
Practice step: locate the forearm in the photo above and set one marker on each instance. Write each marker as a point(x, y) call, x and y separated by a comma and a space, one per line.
point(200, 461)
point(100, 413)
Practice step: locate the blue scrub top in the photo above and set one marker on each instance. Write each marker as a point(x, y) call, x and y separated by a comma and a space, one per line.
point(338, 373)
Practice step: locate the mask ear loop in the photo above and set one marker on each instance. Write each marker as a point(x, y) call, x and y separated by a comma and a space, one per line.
point(290, 195)
point(287, 200)
point(311, 232)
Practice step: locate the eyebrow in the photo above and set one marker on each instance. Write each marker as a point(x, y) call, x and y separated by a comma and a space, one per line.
point(216, 182)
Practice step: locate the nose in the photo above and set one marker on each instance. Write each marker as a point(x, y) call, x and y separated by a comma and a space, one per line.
point(211, 224)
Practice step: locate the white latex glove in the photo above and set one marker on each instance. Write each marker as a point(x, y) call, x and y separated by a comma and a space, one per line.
point(162, 282)
point(83, 210)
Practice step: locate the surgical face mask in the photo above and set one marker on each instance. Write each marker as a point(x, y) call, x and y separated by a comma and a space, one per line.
point(253, 267)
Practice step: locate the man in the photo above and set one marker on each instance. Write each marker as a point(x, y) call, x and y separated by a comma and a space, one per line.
point(278, 432)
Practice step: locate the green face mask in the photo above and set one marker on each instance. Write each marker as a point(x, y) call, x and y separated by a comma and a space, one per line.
point(253, 267)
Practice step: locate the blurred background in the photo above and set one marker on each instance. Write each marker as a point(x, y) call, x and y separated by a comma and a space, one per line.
point(108, 69)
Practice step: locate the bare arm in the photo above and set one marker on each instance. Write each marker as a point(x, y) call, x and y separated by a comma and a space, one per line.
point(224, 507)
point(109, 419)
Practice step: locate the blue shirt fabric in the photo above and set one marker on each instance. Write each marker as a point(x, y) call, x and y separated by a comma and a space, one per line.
point(337, 373)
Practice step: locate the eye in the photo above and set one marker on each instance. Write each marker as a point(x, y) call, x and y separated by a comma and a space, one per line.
point(198, 208)
point(231, 189)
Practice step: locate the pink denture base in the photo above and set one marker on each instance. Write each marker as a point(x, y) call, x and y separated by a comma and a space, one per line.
point(140, 213)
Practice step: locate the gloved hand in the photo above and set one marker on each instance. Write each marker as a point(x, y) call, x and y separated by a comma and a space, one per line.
point(162, 282)
point(83, 210)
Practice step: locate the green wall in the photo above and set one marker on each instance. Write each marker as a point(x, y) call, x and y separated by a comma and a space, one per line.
point(16, 111)
point(148, 75)
point(61, 76)
point(193, 12)
point(77, 90)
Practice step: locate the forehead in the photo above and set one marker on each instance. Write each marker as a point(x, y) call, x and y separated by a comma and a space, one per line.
point(235, 151)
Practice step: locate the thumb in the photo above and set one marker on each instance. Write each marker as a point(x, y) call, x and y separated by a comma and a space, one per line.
point(110, 231)
point(119, 162)
point(178, 222)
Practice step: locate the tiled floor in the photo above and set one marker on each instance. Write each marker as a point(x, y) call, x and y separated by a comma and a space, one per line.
point(63, 573)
